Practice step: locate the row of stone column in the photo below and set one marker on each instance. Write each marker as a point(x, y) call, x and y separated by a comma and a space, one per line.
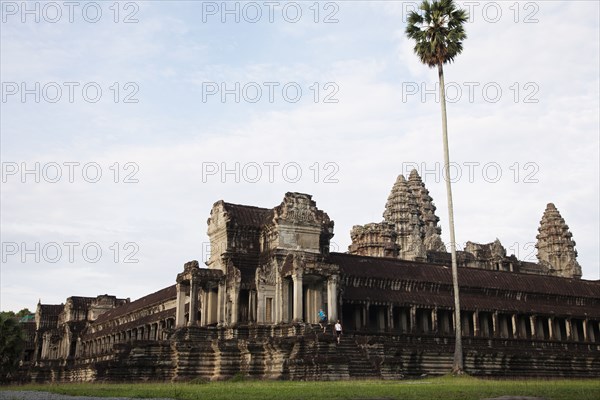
point(104, 344)
point(332, 298)
point(213, 303)
point(538, 327)
point(510, 325)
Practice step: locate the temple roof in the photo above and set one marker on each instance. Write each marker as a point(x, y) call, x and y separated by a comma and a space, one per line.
point(389, 268)
point(481, 289)
point(168, 293)
point(51, 309)
point(469, 301)
point(151, 318)
point(249, 216)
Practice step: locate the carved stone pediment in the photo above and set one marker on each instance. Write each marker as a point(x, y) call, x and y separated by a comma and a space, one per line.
point(233, 276)
point(218, 217)
point(266, 274)
point(298, 208)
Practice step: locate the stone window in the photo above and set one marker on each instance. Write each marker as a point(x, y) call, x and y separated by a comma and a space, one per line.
point(577, 330)
point(541, 328)
point(423, 323)
point(594, 331)
point(523, 327)
point(402, 319)
point(560, 329)
point(486, 327)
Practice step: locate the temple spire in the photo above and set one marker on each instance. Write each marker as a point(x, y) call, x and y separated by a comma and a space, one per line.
point(556, 248)
point(402, 211)
point(430, 230)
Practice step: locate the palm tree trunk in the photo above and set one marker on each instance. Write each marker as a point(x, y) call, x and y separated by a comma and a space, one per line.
point(457, 365)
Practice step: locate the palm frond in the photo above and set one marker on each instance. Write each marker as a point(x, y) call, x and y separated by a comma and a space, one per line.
point(438, 31)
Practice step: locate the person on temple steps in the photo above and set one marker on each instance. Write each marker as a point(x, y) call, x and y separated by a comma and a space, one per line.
point(338, 330)
point(322, 319)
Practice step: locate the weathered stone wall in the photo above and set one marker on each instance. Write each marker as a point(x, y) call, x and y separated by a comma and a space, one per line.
point(303, 352)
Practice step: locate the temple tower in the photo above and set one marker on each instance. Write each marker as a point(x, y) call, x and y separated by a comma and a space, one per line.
point(556, 248)
point(402, 210)
point(374, 240)
point(430, 230)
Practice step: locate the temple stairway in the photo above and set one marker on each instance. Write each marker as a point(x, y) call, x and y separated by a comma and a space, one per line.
point(321, 357)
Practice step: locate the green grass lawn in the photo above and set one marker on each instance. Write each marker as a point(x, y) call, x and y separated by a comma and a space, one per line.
point(446, 388)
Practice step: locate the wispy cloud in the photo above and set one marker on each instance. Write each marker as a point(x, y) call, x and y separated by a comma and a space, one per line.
point(349, 152)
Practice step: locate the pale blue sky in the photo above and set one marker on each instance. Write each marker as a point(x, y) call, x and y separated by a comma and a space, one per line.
point(547, 151)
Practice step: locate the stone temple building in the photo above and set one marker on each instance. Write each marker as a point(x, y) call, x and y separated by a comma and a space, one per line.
point(252, 310)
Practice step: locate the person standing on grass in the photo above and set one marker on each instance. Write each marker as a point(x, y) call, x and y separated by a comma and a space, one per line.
point(338, 330)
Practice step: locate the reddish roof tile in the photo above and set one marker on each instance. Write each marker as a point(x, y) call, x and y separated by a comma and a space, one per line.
point(389, 268)
point(469, 301)
point(247, 216)
point(162, 295)
point(140, 322)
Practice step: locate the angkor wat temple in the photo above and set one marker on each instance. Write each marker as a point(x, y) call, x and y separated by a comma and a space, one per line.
point(253, 310)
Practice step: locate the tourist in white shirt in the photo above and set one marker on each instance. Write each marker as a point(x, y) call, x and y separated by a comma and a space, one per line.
point(338, 330)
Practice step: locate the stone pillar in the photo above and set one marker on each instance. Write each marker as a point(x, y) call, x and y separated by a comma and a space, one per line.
point(434, 320)
point(220, 303)
point(235, 300)
point(476, 324)
point(214, 305)
point(203, 307)
point(551, 328)
point(297, 279)
point(585, 330)
point(285, 295)
point(515, 328)
point(495, 326)
point(569, 328)
point(332, 298)
point(390, 310)
point(591, 333)
point(211, 316)
point(193, 320)
point(180, 311)
point(533, 327)
point(260, 307)
point(252, 305)
point(365, 315)
point(413, 319)
point(308, 301)
point(319, 302)
point(278, 300)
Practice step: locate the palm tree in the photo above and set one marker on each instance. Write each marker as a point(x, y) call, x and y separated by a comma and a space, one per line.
point(438, 32)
